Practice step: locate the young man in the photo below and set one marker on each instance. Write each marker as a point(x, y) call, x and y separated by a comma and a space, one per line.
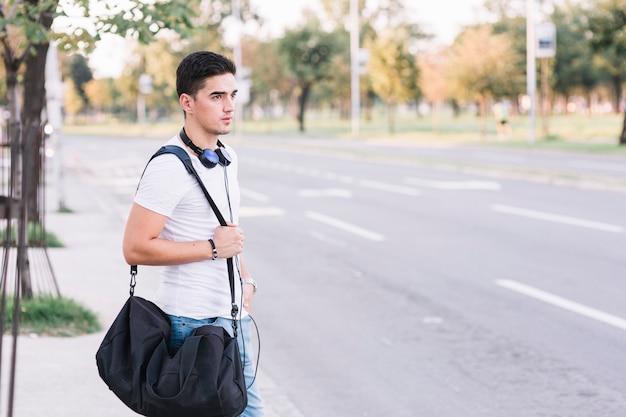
point(172, 224)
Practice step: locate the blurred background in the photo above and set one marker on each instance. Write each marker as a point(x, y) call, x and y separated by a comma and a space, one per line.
point(452, 69)
point(432, 195)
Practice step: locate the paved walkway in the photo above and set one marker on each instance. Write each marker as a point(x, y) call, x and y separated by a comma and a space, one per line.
point(58, 377)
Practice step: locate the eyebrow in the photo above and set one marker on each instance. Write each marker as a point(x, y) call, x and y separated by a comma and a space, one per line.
point(221, 93)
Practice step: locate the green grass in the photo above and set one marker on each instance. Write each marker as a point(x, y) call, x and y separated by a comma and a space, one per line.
point(52, 316)
point(596, 133)
point(34, 235)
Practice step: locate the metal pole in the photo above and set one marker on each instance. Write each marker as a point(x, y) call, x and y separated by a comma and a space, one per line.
point(531, 68)
point(237, 60)
point(355, 87)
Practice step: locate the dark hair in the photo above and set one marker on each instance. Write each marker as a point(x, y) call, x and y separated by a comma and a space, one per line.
point(196, 67)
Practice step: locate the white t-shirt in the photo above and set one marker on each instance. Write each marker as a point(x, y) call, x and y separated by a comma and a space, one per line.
point(200, 289)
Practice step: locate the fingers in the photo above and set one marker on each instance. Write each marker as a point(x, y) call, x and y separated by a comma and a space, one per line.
point(228, 241)
point(248, 293)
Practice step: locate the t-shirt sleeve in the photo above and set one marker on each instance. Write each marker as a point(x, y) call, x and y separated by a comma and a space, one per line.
point(163, 185)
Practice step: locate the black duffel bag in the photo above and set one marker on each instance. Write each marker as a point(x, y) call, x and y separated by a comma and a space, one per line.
point(204, 378)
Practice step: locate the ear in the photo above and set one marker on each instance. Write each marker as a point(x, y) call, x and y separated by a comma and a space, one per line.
point(186, 102)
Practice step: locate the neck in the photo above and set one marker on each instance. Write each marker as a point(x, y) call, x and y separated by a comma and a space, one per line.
point(194, 147)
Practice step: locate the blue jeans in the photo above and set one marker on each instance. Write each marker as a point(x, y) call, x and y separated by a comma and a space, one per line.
point(183, 326)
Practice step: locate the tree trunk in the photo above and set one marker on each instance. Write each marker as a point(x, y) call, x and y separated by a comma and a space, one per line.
point(304, 95)
point(622, 137)
point(16, 189)
point(367, 107)
point(482, 113)
point(33, 137)
point(391, 112)
point(617, 85)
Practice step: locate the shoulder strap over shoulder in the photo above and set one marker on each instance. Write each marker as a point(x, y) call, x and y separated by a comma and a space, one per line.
point(179, 152)
point(186, 160)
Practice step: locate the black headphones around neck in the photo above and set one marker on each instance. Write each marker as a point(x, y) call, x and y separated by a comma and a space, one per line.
point(208, 157)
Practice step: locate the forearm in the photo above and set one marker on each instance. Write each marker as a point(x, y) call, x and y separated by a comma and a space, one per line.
point(143, 245)
point(160, 251)
point(245, 273)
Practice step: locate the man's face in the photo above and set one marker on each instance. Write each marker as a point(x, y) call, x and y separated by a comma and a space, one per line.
point(214, 105)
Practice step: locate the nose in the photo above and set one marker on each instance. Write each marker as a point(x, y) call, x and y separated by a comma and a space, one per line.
point(229, 104)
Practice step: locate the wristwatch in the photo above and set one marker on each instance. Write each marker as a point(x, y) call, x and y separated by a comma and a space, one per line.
point(214, 249)
point(249, 281)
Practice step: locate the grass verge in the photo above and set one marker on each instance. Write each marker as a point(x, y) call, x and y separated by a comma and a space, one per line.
point(35, 232)
point(52, 316)
point(575, 133)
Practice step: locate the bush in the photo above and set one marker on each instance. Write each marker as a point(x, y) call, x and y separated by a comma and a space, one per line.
point(52, 316)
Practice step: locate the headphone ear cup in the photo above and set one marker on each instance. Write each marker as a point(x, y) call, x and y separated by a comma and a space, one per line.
point(224, 157)
point(209, 159)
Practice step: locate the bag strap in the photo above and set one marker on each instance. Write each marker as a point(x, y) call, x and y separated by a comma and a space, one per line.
point(186, 160)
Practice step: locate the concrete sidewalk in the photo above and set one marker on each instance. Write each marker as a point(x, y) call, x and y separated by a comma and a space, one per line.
point(58, 377)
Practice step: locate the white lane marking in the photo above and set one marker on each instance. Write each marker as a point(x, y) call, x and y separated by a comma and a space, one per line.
point(347, 227)
point(248, 211)
point(254, 195)
point(326, 239)
point(597, 165)
point(346, 179)
point(566, 304)
point(498, 157)
point(328, 192)
point(573, 221)
point(455, 185)
point(392, 188)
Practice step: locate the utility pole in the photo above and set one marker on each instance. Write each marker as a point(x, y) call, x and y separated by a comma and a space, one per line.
point(355, 87)
point(531, 68)
point(237, 59)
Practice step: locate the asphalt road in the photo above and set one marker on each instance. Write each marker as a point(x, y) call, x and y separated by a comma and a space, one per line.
point(423, 281)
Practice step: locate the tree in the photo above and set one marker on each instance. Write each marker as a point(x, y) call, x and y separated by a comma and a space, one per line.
point(393, 70)
point(482, 66)
point(81, 74)
point(100, 93)
point(72, 101)
point(432, 81)
point(308, 55)
point(270, 81)
point(575, 67)
point(607, 23)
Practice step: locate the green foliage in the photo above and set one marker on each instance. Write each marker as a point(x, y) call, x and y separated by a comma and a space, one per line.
point(607, 22)
point(143, 20)
point(80, 74)
point(307, 53)
point(393, 68)
point(574, 66)
point(482, 64)
point(35, 234)
point(52, 316)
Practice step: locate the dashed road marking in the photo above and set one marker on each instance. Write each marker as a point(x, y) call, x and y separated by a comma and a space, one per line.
point(455, 185)
point(557, 218)
point(566, 304)
point(346, 227)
